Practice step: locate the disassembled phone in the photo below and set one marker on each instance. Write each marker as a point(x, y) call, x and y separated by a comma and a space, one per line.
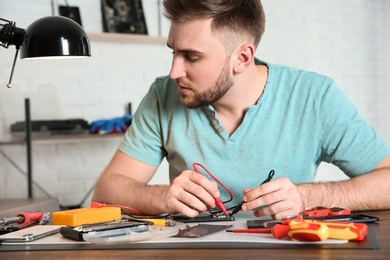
point(30, 234)
point(201, 218)
point(104, 229)
point(201, 230)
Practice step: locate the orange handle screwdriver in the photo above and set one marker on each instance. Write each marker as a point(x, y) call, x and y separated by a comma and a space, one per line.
point(302, 232)
point(337, 230)
point(344, 230)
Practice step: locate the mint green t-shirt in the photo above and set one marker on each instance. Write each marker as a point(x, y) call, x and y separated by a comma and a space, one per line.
point(301, 119)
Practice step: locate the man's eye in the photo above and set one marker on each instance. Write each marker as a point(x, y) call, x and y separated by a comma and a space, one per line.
point(191, 58)
point(188, 57)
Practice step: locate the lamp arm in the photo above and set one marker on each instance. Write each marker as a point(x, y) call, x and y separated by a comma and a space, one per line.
point(11, 35)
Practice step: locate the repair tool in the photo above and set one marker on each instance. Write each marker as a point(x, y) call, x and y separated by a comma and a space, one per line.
point(218, 202)
point(298, 232)
point(323, 211)
point(22, 218)
point(162, 222)
point(95, 204)
point(302, 232)
point(239, 206)
point(81, 216)
point(337, 230)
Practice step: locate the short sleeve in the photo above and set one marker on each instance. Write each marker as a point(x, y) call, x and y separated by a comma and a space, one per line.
point(348, 141)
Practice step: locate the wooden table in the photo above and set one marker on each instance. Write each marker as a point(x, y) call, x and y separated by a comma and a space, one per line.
point(382, 230)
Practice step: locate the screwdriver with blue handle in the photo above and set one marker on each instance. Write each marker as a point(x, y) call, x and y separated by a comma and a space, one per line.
point(239, 206)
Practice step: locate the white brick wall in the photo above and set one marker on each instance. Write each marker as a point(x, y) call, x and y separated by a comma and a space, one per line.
point(346, 40)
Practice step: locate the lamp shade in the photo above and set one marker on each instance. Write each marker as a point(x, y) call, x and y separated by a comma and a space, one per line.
point(55, 37)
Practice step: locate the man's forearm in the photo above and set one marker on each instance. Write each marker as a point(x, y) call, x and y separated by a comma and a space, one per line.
point(367, 192)
point(118, 189)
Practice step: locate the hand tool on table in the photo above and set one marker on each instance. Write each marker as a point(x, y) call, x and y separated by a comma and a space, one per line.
point(337, 230)
point(22, 218)
point(298, 232)
point(162, 222)
point(302, 232)
point(238, 207)
point(323, 211)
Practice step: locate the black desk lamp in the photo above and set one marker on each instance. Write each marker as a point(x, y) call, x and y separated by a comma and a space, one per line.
point(51, 37)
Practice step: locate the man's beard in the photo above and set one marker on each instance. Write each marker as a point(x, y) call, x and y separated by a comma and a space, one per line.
point(222, 85)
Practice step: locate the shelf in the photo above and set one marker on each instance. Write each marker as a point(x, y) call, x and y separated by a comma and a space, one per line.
point(22, 139)
point(126, 38)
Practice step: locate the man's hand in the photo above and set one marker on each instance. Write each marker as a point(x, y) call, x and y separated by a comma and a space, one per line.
point(279, 198)
point(191, 193)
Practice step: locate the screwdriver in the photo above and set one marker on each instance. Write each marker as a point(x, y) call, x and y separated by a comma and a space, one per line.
point(298, 232)
point(302, 232)
point(344, 230)
point(337, 230)
point(22, 218)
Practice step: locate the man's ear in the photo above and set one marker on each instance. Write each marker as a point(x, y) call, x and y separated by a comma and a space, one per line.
point(245, 55)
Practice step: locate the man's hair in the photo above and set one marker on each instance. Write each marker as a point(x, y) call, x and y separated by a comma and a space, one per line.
point(236, 16)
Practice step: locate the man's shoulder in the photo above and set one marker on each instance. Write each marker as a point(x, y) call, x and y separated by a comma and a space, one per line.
point(289, 71)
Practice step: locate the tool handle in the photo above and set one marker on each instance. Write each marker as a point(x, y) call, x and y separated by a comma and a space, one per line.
point(349, 231)
point(220, 205)
point(337, 230)
point(301, 231)
point(29, 217)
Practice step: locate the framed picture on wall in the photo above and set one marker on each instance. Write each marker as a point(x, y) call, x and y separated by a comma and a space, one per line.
point(123, 16)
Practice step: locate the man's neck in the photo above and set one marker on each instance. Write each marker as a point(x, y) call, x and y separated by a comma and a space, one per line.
point(246, 92)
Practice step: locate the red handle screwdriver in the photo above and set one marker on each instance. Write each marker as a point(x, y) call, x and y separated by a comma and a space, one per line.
point(22, 218)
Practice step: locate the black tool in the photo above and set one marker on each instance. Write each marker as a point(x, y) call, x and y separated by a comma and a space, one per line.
point(238, 207)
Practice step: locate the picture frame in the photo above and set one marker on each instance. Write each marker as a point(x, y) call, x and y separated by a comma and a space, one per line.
point(123, 16)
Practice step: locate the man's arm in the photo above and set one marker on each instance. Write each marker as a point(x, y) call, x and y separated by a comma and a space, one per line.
point(369, 191)
point(125, 179)
point(366, 192)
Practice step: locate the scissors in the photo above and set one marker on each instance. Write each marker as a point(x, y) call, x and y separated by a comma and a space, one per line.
point(239, 206)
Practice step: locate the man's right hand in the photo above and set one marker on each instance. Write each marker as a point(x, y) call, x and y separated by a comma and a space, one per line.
point(191, 193)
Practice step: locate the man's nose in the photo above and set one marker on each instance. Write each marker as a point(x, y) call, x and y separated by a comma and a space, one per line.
point(177, 69)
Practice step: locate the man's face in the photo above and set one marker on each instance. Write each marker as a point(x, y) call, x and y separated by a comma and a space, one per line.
point(200, 66)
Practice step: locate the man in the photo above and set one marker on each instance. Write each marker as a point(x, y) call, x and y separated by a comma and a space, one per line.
point(241, 118)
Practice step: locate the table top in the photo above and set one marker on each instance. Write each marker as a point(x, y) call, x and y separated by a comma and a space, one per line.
point(382, 229)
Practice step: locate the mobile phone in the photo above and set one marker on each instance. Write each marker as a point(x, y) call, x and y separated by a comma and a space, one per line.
point(201, 218)
point(104, 229)
point(255, 223)
point(30, 234)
